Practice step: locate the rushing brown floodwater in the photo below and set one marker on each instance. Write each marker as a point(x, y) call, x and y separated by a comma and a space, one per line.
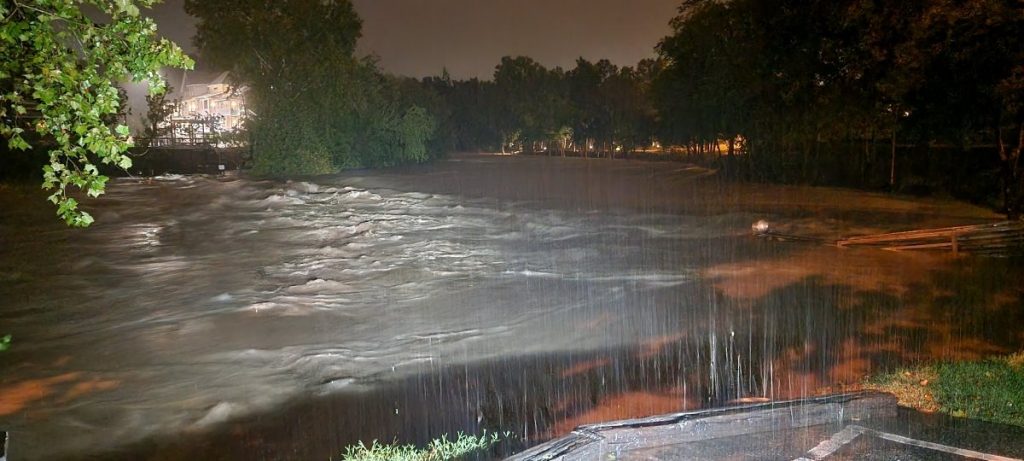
point(229, 318)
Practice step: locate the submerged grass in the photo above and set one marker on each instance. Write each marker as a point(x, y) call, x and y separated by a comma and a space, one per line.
point(440, 449)
point(990, 390)
point(910, 386)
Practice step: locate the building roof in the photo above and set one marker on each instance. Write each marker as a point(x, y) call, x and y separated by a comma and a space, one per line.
point(180, 79)
point(221, 79)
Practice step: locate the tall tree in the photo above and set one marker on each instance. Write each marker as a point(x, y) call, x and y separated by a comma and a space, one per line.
point(531, 96)
point(707, 88)
point(271, 44)
point(158, 109)
point(591, 111)
point(317, 107)
point(631, 116)
point(974, 63)
point(798, 79)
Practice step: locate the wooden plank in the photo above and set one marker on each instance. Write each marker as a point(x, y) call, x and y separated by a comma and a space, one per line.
point(987, 237)
point(922, 246)
point(920, 233)
point(960, 246)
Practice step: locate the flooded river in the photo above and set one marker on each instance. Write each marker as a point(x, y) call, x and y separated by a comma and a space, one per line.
point(224, 317)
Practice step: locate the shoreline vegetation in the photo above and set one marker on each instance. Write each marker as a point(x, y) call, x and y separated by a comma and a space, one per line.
point(850, 95)
point(991, 389)
point(919, 98)
point(439, 449)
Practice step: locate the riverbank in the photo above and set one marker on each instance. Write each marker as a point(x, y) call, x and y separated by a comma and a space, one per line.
point(990, 390)
point(970, 175)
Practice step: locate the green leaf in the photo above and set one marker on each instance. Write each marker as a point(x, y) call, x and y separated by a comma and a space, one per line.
point(67, 74)
point(84, 219)
point(128, 7)
point(16, 142)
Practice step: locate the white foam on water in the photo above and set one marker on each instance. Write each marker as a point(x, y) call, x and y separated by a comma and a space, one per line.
point(239, 288)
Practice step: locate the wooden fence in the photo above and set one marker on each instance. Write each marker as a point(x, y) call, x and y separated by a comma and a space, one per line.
point(998, 239)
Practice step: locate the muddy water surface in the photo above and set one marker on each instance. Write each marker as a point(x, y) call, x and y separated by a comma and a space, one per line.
point(221, 317)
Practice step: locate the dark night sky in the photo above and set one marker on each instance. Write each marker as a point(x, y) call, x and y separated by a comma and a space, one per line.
point(468, 37)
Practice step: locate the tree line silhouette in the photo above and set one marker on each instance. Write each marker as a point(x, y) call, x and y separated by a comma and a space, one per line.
point(917, 96)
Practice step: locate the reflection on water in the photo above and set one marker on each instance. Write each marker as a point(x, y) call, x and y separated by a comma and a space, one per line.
point(528, 295)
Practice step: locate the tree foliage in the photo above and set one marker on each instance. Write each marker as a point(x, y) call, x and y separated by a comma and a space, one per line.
point(57, 86)
point(798, 78)
point(318, 108)
point(532, 99)
point(528, 106)
point(158, 110)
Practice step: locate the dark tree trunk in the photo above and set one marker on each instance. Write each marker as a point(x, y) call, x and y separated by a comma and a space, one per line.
point(892, 162)
point(1013, 180)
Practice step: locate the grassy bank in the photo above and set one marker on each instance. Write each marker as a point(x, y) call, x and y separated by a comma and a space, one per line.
point(990, 390)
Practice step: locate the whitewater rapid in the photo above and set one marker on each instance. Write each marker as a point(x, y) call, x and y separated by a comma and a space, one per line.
point(197, 300)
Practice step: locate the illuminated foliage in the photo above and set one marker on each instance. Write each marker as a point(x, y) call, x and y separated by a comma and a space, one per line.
point(57, 86)
point(317, 109)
